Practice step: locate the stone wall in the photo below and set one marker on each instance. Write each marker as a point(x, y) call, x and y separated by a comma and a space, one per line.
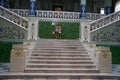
point(10, 32)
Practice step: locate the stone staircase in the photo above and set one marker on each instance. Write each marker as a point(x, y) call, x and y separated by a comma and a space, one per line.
point(53, 59)
point(59, 56)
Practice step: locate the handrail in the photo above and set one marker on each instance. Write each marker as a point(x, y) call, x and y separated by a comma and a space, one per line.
point(102, 22)
point(58, 14)
point(19, 20)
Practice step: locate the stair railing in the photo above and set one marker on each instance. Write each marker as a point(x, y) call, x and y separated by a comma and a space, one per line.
point(58, 14)
point(103, 22)
point(13, 17)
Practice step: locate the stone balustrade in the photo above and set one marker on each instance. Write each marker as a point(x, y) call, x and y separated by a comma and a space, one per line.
point(15, 18)
point(104, 30)
point(100, 23)
point(58, 14)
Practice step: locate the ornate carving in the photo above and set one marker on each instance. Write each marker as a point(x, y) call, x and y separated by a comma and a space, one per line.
point(105, 55)
point(18, 53)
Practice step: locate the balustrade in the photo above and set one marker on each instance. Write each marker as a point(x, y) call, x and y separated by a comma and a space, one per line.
point(108, 35)
point(23, 22)
point(104, 21)
point(58, 14)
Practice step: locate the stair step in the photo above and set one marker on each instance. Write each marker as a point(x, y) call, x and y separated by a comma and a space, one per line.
point(51, 51)
point(67, 57)
point(57, 48)
point(60, 55)
point(60, 76)
point(61, 61)
point(88, 66)
point(60, 70)
point(59, 58)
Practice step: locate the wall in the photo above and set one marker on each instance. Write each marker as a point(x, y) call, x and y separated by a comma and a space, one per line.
point(9, 32)
point(108, 35)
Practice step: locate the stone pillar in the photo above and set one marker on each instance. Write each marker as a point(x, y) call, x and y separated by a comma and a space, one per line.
point(83, 9)
point(84, 31)
point(103, 59)
point(18, 58)
point(108, 6)
point(33, 29)
point(32, 11)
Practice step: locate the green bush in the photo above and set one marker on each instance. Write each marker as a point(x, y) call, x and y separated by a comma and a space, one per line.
point(115, 54)
point(69, 30)
point(45, 30)
point(5, 52)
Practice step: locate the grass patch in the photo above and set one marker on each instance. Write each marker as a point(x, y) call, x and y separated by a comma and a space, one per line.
point(69, 30)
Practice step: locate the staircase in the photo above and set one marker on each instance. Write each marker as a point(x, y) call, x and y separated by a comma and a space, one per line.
point(60, 56)
point(53, 59)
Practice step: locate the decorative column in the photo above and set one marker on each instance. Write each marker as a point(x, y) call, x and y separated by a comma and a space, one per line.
point(83, 9)
point(18, 58)
point(33, 29)
point(108, 4)
point(19, 53)
point(103, 58)
point(84, 31)
point(32, 8)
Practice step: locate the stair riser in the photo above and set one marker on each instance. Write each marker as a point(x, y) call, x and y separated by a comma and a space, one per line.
point(60, 48)
point(48, 58)
point(39, 62)
point(64, 55)
point(58, 77)
point(35, 58)
point(55, 66)
point(60, 55)
point(62, 71)
point(60, 52)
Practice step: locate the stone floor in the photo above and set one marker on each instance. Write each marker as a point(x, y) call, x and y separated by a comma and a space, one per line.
point(4, 68)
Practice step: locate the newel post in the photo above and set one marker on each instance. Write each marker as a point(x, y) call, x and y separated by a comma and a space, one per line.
point(103, 59)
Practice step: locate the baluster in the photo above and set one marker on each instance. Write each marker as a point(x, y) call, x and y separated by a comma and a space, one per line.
point(118, 15)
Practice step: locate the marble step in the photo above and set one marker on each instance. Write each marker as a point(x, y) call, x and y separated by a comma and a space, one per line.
point(60, 70)
point(60, 55)
point(61, 61)
point(85, 66)
point(59, 58)
point(52, 51)
point(60, 46)
point(58, 49)
point(69, 41)
point(60, 76)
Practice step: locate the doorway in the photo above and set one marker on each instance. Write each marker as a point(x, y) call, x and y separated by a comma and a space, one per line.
point(57, 8)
